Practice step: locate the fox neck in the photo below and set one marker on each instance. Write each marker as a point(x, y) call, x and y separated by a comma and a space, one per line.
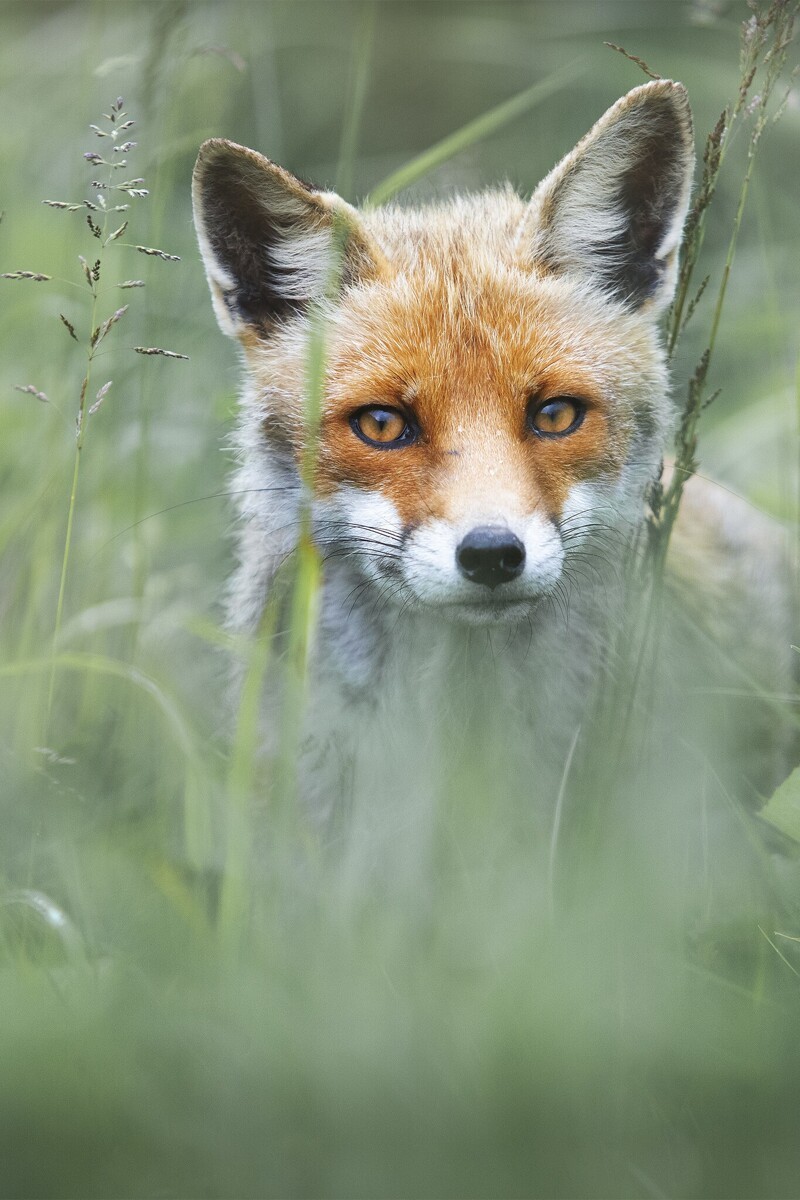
point(367, 639)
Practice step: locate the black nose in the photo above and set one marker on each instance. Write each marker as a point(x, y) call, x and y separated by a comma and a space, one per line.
point(490, 555)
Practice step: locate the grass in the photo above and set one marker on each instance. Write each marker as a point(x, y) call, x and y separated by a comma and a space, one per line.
point(196, 1000)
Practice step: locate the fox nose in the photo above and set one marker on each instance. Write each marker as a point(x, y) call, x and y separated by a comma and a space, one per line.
point(490, 555)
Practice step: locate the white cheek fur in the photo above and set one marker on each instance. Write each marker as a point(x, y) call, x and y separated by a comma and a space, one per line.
point(369, 530)
point(367, 525)
point(610, 504)
point(579, 512)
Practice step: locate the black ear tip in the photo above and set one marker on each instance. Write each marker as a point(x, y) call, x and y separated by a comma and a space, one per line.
point(664, 103)
point(211, 147)
point(216, 150)
point(662, 87)
point(671, 93)
point(211, 150)
point(218, 145)
point(678, 94)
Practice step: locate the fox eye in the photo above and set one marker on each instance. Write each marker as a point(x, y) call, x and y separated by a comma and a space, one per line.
point(556, 418)
point(386, 428)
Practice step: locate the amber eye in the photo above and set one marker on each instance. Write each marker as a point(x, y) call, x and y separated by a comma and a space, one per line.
point(556, 418)
point(386, 428)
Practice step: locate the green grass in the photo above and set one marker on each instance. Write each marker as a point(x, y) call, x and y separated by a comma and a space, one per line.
point(197, 998)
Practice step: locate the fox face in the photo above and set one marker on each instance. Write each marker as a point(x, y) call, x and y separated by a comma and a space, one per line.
point(494, 397)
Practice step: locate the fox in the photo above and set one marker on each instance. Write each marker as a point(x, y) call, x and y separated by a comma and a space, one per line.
point(494, 409)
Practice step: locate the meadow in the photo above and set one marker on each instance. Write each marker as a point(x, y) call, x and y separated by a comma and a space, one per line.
point(198, 995)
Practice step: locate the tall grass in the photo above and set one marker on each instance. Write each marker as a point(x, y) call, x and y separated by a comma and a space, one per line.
point(633, 664)
point(200, 995)
point(100, 214)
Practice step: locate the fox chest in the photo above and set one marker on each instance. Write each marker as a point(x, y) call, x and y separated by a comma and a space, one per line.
point(426, 710)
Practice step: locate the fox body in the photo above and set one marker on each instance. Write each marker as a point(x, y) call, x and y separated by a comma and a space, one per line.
point(494, 407)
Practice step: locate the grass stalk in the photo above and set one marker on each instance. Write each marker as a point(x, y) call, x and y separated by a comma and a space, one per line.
point(234, 896)
point(471, 133)
point(304, 609)
point(623, 687)
point(98, 213)
point(765, 40)
point(81, 424)
point(356, 99)
point(62, 584)
point(305, 601)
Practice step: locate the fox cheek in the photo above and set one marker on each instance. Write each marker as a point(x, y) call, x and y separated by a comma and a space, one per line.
point(360, 527)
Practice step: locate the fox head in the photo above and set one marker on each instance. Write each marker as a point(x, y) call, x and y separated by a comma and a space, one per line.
point(495, 391)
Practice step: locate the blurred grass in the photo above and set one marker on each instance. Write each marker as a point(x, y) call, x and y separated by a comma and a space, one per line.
point(404, 1015)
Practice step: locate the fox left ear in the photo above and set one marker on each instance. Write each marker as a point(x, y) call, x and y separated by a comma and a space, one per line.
point(270, 243)
point(612, 211)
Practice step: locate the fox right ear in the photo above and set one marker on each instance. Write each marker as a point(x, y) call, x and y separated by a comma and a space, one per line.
point(269, 242)
point(612, 211)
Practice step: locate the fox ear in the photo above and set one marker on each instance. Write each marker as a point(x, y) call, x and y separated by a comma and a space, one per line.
point(612, 211)
point(268, 240)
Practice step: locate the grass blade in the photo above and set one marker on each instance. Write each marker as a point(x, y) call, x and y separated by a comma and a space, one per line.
point(474, 131)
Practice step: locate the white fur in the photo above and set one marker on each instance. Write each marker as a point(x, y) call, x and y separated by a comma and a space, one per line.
point(220, 281)
point(422, 566)
point(307, 259)
point(431, 573)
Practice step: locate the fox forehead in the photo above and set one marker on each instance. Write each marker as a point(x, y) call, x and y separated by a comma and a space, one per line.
point(485, 332)
point(462, 306)
point(461, 334)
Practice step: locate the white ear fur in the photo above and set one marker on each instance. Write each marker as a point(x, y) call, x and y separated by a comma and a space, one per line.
point(612, 211)
point(269, 242)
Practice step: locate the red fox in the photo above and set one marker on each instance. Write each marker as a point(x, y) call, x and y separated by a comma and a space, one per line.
point(495, 407)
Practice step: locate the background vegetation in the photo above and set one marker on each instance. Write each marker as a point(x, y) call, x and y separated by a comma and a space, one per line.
point(178, 1016)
